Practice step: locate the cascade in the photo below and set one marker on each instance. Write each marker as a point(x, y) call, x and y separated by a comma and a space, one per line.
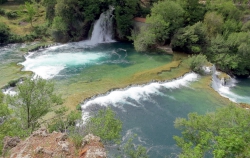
point(103, 28)
point(218, 83)
point(223, 87)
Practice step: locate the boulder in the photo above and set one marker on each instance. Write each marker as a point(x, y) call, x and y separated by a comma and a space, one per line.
point(9, 143)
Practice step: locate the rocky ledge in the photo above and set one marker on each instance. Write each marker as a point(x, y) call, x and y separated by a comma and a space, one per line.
point(42, 144)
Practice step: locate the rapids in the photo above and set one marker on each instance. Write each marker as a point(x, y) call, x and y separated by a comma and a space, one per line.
point(147, 108)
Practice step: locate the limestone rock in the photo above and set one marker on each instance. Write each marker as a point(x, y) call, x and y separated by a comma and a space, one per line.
point(62, 137)
point(64, 146)
point(10, 143)
point(41, 132)
point(93, 148)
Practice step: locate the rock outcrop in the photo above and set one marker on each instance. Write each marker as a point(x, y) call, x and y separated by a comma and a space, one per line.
point(92, 147)
point(42, 144)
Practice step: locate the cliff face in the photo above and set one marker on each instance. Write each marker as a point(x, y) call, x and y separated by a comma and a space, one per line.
point(42, 144)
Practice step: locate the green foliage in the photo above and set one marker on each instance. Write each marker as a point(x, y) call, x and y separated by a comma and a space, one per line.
point(194, 11)
point(11, 14)
point(214, 23)
point(76, 136)
point(196, 62)
point(231, 26)
point(219, 134)
point(2, 12)
point(226, 8)
point(31, 9)
point(59, 24)
point(246, 27)
point(4, 110)
point(168, 11)
point(50, 10)
point(191, 39)
point(165, 18)
point(239, 44)
point(64, 120)
point(105, 125)
point(12, 127)
point(124, 13)
point(134, 152)
point(144, 40)
point(4, 33)
point(34, 99)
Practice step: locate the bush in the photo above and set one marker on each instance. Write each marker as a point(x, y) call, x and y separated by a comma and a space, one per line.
point(2, 12)
point(196, 62)
point(4, 33)
point(105, 125)
point(12, 15)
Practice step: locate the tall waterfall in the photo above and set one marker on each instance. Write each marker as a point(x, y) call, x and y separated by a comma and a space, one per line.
point(103, 28)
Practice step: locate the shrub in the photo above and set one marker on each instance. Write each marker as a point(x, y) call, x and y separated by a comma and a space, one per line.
point(196, 62)
point(12, 15)
point(105, 125)
point(2, 12)
point(4, 33)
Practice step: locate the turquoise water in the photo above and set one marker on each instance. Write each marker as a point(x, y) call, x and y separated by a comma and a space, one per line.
point(10, 54)
point(150, 110)
point(146, 110)
point(242, 88)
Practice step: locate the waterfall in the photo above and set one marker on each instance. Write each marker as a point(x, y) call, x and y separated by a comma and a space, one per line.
point(222, 86)
point(218, 83)
point(103, 28)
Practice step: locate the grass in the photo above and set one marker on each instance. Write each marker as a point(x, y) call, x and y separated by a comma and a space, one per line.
point(19, 25)
point(11, 72)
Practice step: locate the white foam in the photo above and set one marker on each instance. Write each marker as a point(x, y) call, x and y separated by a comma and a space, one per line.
point(103, 28)
point(48, 65)
point(138, 93)
point(225, 89)
point(10, 91)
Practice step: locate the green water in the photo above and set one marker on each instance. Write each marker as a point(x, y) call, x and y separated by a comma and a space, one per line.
point(80, 71)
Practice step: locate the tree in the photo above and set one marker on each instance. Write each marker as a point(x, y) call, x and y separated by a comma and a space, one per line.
point(31, 11)
point(214, 23)
point(168, 11)
point(221, 134)
point(165, 18)
point(191, 39)
point(134, 152)
point(34, 99)
point(196, 62)
point(105, 125)
point(4, 110)
point(124, 14)
point(194, 11)
point(144, 40)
